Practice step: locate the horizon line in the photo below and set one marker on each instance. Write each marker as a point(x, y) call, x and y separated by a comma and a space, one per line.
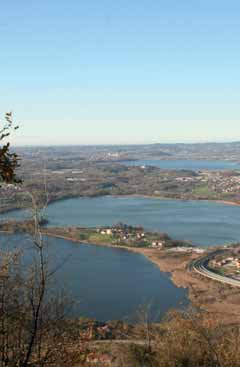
point(124, 144)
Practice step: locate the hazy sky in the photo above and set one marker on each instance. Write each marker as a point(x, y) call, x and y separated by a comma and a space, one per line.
point(126, 71)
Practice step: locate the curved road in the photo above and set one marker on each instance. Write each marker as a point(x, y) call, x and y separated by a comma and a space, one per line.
point(201, 267)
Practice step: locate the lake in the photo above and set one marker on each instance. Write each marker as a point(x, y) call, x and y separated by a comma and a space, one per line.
point(194, 165)
point(202, 222)
point(105, 283)
point(111, 283)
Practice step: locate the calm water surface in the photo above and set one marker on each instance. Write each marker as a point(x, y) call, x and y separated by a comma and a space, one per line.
point(111, 283)
point(195, 165)
point(106, 283)
point(202, 222)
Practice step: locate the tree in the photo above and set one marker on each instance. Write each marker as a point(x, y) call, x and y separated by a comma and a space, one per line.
point(8, 161)
point(33, 322)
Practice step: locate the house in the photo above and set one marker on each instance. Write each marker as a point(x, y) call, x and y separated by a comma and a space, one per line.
point(198, 250)
point(157, 244)
point(106, 231)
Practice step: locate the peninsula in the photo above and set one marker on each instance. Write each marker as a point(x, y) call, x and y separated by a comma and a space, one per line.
point(179, 258)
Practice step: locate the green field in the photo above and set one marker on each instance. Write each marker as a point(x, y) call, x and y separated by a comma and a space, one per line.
point(203, 191)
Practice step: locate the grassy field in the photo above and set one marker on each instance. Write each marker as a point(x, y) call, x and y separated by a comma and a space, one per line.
point(203, 191)
point(98, 238)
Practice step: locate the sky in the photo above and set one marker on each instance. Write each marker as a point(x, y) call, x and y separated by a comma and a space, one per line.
point(119, 72)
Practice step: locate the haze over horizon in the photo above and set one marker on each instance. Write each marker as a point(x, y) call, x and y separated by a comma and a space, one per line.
point(128, 144)
point(133, 72)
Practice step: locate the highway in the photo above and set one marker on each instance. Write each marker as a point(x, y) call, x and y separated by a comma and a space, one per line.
point(201, 267)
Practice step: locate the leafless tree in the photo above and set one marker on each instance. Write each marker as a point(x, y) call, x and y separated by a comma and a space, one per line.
point(34, 330)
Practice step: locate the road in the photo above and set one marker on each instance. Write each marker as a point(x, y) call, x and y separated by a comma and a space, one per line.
point(201, 267)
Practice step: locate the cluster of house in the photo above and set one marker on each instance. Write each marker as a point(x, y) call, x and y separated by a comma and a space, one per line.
point(124, 232)
point(135, 235)
point(217, 181)
point(221, 182)
point(229, 261)
point(128, 234)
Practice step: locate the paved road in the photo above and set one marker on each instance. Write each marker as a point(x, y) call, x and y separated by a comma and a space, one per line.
point(201, 267)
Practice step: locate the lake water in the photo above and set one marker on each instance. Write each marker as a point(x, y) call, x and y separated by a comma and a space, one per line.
point(202, 222)
point(111, 283)
point(194, 165)
point(105, 283)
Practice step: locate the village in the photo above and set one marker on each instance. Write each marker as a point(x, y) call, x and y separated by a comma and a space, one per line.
point(227, 264)
point(123, 234)
point(134, 236)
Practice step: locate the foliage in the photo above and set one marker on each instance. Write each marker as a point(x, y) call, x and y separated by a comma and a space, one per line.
point(190, 338)
point(34, 329)
point(8, 161)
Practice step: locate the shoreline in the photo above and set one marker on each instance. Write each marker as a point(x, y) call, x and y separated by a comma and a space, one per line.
point(225, 202)
point(149, 253)
point(163, 198)
point(200, 292)
point(102, 244)
point(208, 295)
